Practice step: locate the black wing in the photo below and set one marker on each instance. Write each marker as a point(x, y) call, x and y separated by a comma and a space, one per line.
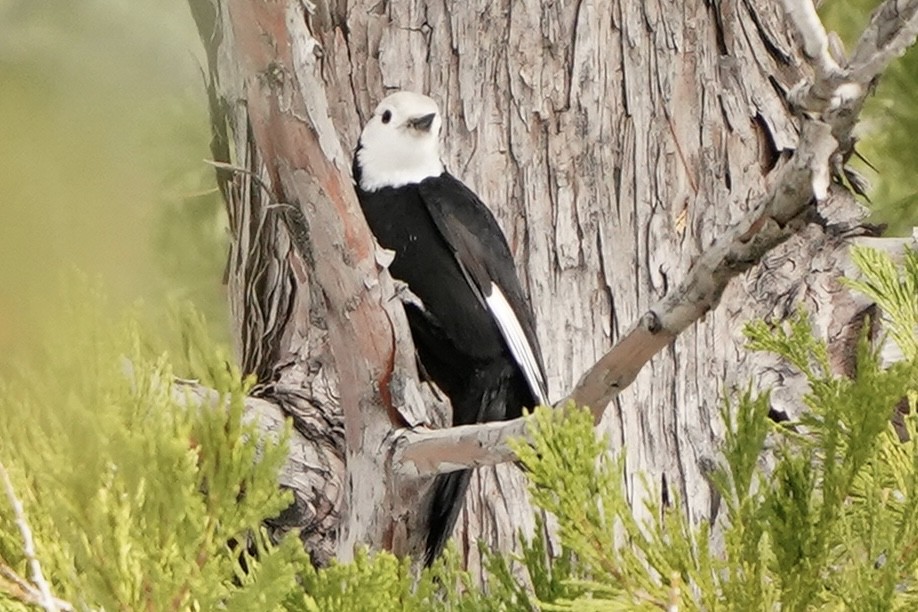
point(481, 249)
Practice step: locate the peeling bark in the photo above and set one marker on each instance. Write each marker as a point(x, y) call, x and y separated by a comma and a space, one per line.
point(615, 141)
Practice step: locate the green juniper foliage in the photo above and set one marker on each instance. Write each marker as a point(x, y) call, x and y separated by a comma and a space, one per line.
point(135, 499)
point(833, 524)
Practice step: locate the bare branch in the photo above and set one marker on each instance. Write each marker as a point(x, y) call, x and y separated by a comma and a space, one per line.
point(838, 96)
point(233, 169)
point(46, 600)
point(426, 452)
point(813, 36)
point(778, 216)
point(21, 589)
point(423, 452)
point(414, 451)
point(892, 30)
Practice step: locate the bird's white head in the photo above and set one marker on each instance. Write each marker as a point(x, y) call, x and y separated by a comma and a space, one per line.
point(400, 144)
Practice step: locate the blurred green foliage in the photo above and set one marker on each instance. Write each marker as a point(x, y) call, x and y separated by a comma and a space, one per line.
point(103, 132)
point(135, 498)
point(888, 125)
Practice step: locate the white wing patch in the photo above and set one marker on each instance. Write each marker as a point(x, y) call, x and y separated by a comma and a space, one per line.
point(513, 333)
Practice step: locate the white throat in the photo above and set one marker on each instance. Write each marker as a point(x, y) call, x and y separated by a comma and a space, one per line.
point(400, 144)
point(398, 161)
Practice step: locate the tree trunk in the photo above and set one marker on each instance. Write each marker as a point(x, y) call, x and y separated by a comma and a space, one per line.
point(614, 140)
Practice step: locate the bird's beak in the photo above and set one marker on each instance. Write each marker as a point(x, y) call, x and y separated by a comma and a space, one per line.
point(423, 122)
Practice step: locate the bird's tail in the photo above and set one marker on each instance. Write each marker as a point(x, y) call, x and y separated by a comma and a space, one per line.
point(496, 392)
point(448, 499)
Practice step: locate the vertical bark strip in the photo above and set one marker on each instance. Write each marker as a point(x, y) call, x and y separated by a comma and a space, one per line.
point(315, 321)
point(614, 140)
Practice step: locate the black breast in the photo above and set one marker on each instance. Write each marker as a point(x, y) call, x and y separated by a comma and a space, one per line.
point(455, 334)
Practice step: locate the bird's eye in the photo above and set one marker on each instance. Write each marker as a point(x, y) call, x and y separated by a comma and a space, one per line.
point(386, 117)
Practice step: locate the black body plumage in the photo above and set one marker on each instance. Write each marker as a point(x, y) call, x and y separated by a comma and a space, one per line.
point(451, 252)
